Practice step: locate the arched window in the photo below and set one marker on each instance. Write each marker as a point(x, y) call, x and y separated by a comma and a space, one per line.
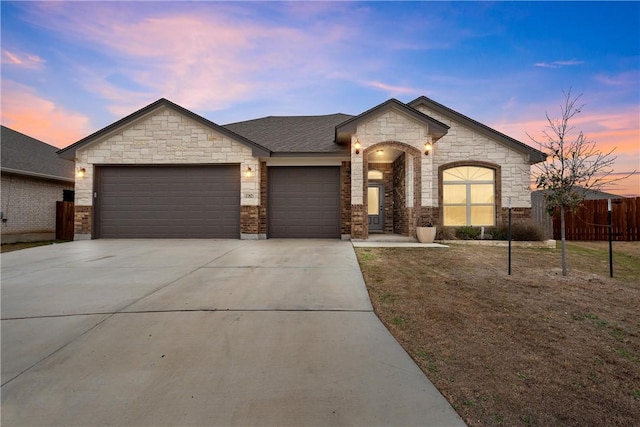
point(468, 196)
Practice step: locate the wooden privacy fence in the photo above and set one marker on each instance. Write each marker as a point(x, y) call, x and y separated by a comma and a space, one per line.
point(64, 220)
point(590, 221)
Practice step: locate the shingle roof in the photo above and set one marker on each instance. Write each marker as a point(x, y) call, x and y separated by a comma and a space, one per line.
point(294, 134)
point(28, 156)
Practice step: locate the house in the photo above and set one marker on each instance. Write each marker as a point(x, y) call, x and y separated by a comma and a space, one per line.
point(165, 171)
point(34, 178)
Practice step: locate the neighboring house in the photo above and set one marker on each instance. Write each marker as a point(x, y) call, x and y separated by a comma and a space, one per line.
point(34, 178)
point(165, 171)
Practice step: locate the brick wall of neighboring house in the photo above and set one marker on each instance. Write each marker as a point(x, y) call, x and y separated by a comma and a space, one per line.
point(167, 137)
point(29, 207)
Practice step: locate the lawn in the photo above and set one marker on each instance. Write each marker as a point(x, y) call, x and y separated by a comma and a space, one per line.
point(531, 349)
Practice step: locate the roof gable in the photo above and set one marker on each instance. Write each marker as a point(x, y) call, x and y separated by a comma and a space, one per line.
point(535, 156)
point(70, 151)
point(344, 130)
point(24, 155)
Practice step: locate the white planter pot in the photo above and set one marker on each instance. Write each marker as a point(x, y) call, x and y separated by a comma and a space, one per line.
point(426, 234)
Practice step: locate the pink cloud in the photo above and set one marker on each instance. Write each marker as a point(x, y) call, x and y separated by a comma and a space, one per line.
point(205, 59)
point(23, 60)
point(25, 111)
point(618, 130)
point(391, 89)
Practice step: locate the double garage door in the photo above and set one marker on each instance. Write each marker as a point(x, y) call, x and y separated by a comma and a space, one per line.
point(168, 202)
point(204, 202)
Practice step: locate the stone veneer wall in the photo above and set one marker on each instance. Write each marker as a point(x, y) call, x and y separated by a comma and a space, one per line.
point(167, 137)
point(463, 144)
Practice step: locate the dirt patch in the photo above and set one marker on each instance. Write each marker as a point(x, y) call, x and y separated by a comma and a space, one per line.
point(10, 247)
point(533, 348)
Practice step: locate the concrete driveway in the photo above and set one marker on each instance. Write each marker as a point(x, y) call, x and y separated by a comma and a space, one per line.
point(202, 332)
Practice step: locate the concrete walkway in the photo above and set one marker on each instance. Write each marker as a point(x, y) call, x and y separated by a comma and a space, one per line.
point(190, 332)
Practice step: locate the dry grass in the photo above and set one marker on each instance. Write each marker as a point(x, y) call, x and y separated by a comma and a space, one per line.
point(533, 348)
point(10, 247)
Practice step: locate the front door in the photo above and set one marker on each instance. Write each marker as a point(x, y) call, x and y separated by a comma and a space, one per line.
point(375, 200)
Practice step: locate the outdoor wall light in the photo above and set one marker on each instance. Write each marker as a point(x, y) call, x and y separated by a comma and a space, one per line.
point(248, 173)
point(357, 146)
point(427, 148)
point(379, 152)
point(81, 173)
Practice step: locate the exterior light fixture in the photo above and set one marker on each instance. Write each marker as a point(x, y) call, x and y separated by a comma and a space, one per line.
point(80, 173)
point(248, 173)
point(379, 152)
point(357, 146)
point(427, 148)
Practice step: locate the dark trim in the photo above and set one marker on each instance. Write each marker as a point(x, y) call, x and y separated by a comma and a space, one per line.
point(345, 155)
point(69, 152)
point(436, 128)
point(535, 156)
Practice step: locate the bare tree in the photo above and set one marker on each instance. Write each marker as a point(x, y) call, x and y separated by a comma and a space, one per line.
point(574, 165)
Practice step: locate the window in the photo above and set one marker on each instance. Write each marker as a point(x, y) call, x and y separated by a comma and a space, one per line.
point(468, 196)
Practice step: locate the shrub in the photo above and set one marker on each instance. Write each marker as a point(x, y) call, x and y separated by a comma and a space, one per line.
point(522, 231)
point(467, 232)
point(445, 233)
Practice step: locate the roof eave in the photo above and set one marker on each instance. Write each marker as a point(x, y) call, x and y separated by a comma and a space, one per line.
point(36, 174)
point(535, 156)
point(309, 154)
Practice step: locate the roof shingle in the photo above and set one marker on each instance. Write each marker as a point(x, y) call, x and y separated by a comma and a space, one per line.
point(26, 155)
point(299, 134)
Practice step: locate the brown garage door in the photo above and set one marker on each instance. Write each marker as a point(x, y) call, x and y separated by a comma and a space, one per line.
point(304, 202)
point(168, 202)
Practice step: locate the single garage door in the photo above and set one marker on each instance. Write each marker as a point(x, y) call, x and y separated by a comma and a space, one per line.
point(304, 202)
point(168, 202)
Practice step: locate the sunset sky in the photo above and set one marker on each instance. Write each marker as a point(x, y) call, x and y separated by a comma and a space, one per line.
point(72, 68)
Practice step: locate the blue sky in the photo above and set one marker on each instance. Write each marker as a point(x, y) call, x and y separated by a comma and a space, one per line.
point(71, 68)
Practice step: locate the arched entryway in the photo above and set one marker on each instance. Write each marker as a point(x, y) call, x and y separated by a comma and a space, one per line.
point(391, 190)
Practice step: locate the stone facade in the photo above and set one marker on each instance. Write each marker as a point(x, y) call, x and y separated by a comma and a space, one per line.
point(167, 137)
point(417, 190)
point(29, 207)
point(412, 179)
point(463, 144)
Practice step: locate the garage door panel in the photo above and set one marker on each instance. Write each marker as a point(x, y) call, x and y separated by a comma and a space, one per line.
point(304, 202)
point(169, 202)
